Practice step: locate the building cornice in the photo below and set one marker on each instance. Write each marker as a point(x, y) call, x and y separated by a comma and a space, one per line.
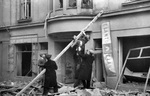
point(123, 11)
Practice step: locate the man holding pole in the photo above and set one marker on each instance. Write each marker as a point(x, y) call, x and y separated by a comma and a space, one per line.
point(50, 75)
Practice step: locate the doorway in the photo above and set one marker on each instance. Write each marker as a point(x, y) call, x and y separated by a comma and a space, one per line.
point(24, 57)
point(66, 63)
point(99, 67)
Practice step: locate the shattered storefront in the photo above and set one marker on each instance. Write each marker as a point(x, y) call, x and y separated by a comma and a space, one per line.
point(136, 53)
point(131, 52)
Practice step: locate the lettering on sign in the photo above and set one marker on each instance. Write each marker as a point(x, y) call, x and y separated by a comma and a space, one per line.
point(107, 50)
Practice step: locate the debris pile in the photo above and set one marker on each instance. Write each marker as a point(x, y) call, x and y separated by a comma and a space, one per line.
point(9, 88)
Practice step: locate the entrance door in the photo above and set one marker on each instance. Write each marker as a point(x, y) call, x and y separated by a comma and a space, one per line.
point(99, 67)
point(24, 53)
point(69, 66)
point(65, 73)
point(99, 74)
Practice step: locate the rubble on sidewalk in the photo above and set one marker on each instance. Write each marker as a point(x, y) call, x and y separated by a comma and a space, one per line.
point(9, 88)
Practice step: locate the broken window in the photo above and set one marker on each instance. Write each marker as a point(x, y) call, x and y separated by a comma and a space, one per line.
point(72, 3)
point(134, 53)
point(87, 3)
point(25, 9)
point(137, 64)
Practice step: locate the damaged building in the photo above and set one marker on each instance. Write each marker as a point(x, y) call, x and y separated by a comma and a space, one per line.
point(32, 27)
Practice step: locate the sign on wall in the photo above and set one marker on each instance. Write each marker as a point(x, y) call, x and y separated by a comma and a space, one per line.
point(107, 50)
point(23, 39)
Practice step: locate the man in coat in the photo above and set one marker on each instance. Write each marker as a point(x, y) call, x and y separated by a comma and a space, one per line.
point(77, 60)
point(50, 75)
point(86, 68)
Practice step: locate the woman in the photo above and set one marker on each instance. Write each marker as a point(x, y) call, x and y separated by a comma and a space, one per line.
point(50, 75)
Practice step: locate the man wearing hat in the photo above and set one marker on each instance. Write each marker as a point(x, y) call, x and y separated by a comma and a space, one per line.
point(50, 75)
point(41, 63)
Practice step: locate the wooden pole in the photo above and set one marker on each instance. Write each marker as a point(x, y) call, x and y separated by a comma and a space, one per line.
point(146, 80)
point(62, 52)
point(122, 71)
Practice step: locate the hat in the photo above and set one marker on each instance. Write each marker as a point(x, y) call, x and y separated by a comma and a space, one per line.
point(48, 56)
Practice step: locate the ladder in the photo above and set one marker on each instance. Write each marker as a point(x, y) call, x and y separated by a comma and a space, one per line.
point(82, 32)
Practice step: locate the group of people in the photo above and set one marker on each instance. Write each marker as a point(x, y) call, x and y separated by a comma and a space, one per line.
point(83, 60)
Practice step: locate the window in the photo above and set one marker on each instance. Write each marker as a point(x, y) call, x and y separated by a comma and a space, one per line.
point(44, 46)
point(61, 3)
point(146, 52)
point(72, 3)
point(134, 53)
point(87, 4)
point(25, 9)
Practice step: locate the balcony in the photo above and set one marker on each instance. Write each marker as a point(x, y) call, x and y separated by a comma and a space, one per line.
point(72, 7)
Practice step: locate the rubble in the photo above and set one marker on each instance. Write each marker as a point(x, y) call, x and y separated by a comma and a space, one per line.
point(9, 88)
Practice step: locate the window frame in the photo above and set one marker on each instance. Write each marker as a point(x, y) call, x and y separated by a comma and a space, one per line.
point(87, 6)
point(24, 11)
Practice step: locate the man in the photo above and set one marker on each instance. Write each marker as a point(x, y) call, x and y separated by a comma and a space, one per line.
point(81, 43)
point(86, 68)
point(50, 75)
point(77, 60)
point(41, 63)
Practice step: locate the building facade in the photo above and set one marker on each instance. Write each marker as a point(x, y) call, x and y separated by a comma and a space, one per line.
point(31, 27)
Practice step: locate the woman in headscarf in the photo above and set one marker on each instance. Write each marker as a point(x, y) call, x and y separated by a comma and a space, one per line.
point(50, 75)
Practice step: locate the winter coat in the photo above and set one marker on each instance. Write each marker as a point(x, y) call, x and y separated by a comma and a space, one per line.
point(85, 70)
point(50, 74)
point(77, 60)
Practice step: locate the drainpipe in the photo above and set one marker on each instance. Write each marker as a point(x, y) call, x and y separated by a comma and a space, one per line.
point(45, 24)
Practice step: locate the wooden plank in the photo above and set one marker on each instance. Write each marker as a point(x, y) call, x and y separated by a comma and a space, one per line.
point(146, 80)
point(122, 71)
